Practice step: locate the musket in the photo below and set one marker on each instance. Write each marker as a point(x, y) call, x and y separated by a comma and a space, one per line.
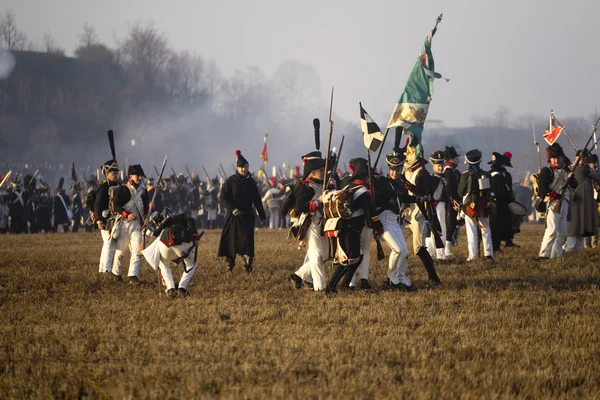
point(338, 156)
point(577, 162)
point(326, 175)
point(596, 140)
point(6, 178)
point(156, 189)
point(32, 178)
point(537, 145)
point(458, 207)
point(155, 170)
point(206, 173)
point(188, 172)
point(223, 174)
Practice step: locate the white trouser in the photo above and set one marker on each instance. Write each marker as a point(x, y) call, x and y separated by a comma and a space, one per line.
point(107, 254)
point(130, 235)
point(169, 253)
point(574, 243)
point(313, 269)
point(473, 237)
point(366, 235)
point(393, 236)
point(418, 227)
point(440, 254)
point(555, 234)
point(274, 218)
point(211, 214)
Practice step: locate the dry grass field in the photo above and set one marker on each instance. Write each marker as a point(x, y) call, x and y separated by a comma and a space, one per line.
point(514, 327)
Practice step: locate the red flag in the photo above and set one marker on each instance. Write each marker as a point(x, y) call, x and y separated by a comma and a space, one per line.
point(554, 130)
point(264, 154)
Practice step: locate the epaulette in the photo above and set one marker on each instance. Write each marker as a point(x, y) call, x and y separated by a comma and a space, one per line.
point(104, 181)
point(464, 172)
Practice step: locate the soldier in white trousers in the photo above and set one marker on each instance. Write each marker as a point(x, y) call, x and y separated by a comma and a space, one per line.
point(130, 202)
point(177, 240)
point(552, 179)
point(390, 195)
point(439, 198)
point(101, 213)
point(309, 205)
point(474, 188)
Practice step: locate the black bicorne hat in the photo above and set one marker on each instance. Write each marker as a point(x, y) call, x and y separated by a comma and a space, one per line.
point(554, 150)
point(395, 160)
point(135, 169)
point(473, 157)
point(498, 159)
point(437, 157)
point(241, 161)
point(593, 158)
point(450, 153)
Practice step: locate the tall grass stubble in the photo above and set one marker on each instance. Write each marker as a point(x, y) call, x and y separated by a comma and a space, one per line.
point(513, 327)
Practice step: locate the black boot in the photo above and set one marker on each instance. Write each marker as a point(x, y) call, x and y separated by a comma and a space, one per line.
point(350, 271)
point(335, 278)
point(230, 263)
point(429, 265)
point(248, 263)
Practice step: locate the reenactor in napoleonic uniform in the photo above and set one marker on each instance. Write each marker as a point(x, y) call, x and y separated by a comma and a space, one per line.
point(131, 205)
point(474, 187)
point(308, 207)
point(62, 208)
point(440, 200)
point(501, 186)
point(240, 196)
point(176, 241)
point(391, 197)
point(452, 177)
point(556, 184)
point(17, 208)
point(101, 202)
point(44, 208)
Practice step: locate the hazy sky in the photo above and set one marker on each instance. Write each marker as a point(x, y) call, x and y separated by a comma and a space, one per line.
point(528, 55)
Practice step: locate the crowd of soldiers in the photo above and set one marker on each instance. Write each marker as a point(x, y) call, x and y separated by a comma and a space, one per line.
point(335, 223)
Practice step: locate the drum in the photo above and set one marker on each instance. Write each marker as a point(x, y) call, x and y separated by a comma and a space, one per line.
point(518, 212)
point(517, 209)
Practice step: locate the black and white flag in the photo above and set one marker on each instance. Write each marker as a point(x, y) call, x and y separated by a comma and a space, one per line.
point(372, 135)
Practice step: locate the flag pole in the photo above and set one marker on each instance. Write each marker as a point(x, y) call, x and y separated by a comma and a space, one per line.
point(381, 147)
point(537, 145)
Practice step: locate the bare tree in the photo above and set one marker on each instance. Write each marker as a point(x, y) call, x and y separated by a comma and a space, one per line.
point(11, 36)
point(145, 53)
point(88, 37)
point(298, 84)
point(50, 46)
point(183, 77)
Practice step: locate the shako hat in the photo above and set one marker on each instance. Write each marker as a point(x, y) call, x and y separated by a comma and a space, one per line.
point(395, 160)
point(437, 157)
point(110, 166)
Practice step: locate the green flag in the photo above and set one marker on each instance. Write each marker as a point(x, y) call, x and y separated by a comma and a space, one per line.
point(413, 105)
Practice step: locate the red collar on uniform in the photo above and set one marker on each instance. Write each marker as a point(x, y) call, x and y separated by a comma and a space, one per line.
point(449, 164)
point(554, 166)
point(360, 182)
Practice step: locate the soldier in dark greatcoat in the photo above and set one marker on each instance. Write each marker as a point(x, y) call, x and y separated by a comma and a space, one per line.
point(584, 209)
point(239, 195)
